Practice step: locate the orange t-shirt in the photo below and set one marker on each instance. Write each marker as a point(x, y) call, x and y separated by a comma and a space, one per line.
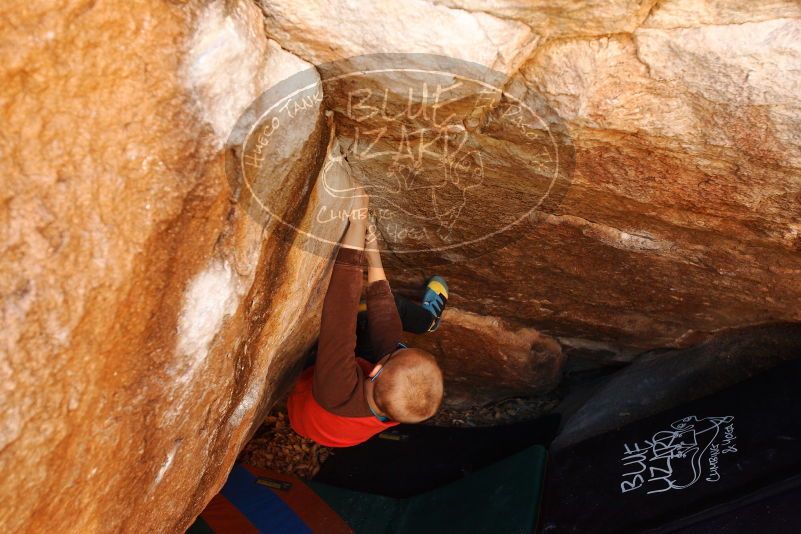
point(311, 420)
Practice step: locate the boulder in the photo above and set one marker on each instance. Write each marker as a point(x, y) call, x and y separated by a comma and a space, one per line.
point(661, 380)
point(159, 292)
point(150, 315)
point(485, 359)
point(678, 213)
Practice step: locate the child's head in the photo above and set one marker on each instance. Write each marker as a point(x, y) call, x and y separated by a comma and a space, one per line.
point(409, 389)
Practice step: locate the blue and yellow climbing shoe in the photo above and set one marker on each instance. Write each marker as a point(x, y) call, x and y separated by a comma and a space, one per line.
point(434, 299)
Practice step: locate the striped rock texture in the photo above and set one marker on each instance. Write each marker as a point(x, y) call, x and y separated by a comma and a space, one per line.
point(153, 308)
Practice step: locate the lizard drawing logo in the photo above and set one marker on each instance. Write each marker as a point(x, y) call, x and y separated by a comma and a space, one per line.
point(677, 458)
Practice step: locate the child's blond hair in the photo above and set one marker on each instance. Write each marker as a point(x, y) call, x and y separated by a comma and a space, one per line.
point(410, 387)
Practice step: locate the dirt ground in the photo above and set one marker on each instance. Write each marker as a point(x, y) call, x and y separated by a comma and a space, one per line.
point(277, 447)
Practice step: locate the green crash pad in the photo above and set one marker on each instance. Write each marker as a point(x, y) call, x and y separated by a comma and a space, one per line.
point(503, 497)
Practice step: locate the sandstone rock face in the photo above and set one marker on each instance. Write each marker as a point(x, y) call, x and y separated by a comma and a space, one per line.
point(682, 213)
point(153, 307)
point(148, 318)
point(485, 359)
point(327, 31)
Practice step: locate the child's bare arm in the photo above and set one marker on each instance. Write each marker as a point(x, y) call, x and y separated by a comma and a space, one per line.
point(375, 269)
point(357, 226)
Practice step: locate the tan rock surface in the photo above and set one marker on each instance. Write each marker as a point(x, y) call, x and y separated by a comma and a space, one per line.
point(147, 319)
point(485, 359)
point(682, 215)
point(152, 310)
point(564, 18)
point(321, 31)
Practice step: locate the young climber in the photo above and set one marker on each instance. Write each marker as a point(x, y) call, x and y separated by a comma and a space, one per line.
point(343, 400)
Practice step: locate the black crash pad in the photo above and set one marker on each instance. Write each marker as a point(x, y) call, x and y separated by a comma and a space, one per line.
point(410, 459)
point(500, 498)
